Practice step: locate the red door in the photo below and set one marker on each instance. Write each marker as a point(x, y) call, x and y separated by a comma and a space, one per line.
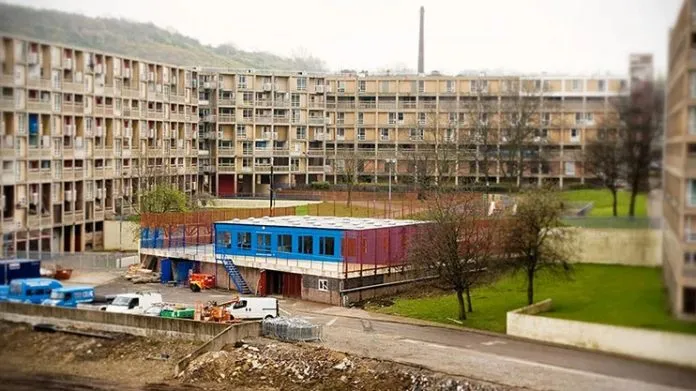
point(262, 284)
point(292, 285)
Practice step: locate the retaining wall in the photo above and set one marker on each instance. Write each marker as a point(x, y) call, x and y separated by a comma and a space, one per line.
point(112, 322)
point(121, 235)
point(638, 247)
point(662, 346)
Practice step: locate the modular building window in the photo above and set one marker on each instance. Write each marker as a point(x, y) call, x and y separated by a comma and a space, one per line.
point(244, 240)
point(284, 243)
point(225, 239)
point(305, 245)
point(263, 243)
point(326, 246)
point(323, 285)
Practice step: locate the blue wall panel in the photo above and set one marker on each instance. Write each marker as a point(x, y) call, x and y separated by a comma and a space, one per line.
point(165, 270)
point(227, 235)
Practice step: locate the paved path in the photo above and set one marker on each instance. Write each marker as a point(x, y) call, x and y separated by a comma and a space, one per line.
point(486, 356)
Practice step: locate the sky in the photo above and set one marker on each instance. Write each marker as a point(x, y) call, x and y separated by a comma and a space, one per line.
point(529, 36)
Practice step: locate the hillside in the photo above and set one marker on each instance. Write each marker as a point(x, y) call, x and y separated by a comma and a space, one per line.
point(143, 40)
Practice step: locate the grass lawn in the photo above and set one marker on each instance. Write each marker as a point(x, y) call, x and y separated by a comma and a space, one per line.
point(603, 201)
point(619, 295)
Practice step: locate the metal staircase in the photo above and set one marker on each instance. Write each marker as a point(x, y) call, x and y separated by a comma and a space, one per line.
point(235, 276)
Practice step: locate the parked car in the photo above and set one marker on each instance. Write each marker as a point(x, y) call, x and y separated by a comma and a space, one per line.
point(70, 296)
point(134, 303)
point(254, 308)
point(32, 290)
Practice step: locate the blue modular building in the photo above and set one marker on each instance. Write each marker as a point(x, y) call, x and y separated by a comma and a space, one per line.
point(310, 257)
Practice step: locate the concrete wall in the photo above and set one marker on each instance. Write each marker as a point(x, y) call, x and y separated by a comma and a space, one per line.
point(117, 237)
point(106, 321)
point(640, 247)
point(230, 335)
point(672, 348)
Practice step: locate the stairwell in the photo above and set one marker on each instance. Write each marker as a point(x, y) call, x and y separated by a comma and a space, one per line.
point(235, 275)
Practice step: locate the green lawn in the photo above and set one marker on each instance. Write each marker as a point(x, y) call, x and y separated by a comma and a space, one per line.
point(603, 202)
point(619, 295)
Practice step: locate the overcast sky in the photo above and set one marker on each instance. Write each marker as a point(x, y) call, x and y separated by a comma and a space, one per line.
point(555, 36)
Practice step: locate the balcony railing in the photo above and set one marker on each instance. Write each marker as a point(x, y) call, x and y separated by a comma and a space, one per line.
point(264, 119)
point(226, 118)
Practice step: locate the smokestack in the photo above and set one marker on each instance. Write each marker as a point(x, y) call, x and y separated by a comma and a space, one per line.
point(421, 43)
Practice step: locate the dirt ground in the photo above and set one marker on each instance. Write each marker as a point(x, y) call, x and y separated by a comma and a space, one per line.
point(58, 361)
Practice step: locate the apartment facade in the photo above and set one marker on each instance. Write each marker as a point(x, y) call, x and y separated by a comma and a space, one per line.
point(83, 130)
point(679, 166)
point(80, 132)
point(308, 125)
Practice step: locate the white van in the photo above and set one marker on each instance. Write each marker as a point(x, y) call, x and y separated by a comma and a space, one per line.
point(134, 303)
point(254, 308)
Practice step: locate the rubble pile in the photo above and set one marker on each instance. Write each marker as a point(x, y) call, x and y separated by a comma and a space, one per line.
point(305, 367)
point(138, 275)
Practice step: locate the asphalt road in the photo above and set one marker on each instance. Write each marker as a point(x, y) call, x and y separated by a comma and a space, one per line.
point(490, 357)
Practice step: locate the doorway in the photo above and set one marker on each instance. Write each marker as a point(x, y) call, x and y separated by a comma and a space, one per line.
point(285, 284)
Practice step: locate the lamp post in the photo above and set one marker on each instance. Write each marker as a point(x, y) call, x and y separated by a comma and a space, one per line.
point(391, 163)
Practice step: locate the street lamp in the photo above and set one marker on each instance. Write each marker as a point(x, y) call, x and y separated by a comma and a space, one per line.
point(391, 163)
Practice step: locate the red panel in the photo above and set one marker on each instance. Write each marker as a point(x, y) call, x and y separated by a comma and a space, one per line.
point(226, 185)
point(292, 285)
point(262, 284)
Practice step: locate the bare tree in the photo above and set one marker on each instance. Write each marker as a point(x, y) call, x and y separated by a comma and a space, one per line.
point(604, 160)
point(534, 240)
point(640, 117)
point(524, 116)
point(435, 160)
point(348, 165)
point(480, 135)
point(457, 245)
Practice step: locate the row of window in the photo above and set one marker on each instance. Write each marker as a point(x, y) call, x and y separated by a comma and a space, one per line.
point(283, 243)
point(475, 85)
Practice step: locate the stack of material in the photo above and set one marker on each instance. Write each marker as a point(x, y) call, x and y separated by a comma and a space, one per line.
point(138, 275)
point(291, 329)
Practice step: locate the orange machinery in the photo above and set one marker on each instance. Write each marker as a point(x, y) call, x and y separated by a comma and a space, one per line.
point(199, 281)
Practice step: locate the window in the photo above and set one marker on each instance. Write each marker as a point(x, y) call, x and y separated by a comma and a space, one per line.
point(692, 120)
point(301, 83)
point(689, 299)
point(452, 117)
point(341, 86)
point(361, 86)
point(570, 168)
point(247, 113)
point(421, 118)
point(414, 86)
point(450, 85)
point(576, 85)
point(395, 118)
point(361, 118)
point(295, 99)
point(384, 134)
point(326, 246)
point(263, 243)
point(305, 245)
point(574, 135)
point(691, 192)
point(416, 134)
point(692, 84)
point(601, 85)
point(689, 259)
point(340, 133)
point(421, 86)
point(340, 118)
point(301, 132)
point(242, 82)
point(241, 131)
point(240, 304)
point(284, 243)
point(449, 134)
point(545, 118)
point(546, 85)
point(384, 86)
point(225, 240)
point(361, 134)
point(243, 240)
point(323, 285)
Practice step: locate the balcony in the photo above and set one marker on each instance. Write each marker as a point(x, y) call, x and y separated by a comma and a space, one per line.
point(227, 152)
point(130, 93)
point(73, 87)
point(226, 118)
point(155, 114)
point(7, 102)
point(264, 119)
point(177, 98)
point(282, 103)
point(281, 152)
point(264, 102)
point(316, 120)
point(226, 101)
point(281, 119)
point(315, 152)
point(41, 83)
point(262, 167)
